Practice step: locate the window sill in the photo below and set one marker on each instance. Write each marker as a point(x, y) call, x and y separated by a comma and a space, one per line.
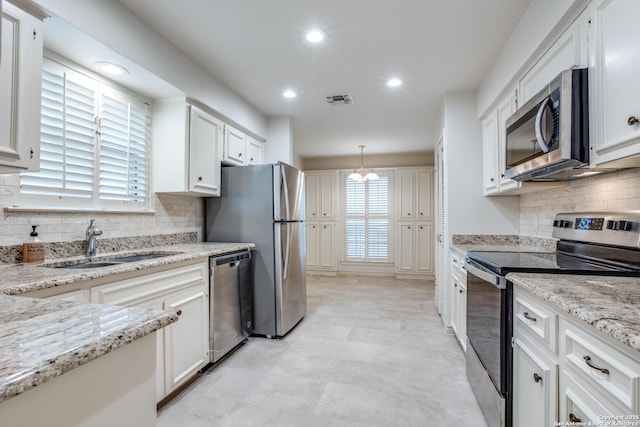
point(49, 209)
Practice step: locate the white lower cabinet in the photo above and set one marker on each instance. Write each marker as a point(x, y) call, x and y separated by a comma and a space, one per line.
point(322, 252)
point(458, 289)
point(535, 378)
point(182, 347)
point(566, 372)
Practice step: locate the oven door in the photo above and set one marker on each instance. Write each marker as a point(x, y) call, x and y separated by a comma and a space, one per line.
point(489, 332)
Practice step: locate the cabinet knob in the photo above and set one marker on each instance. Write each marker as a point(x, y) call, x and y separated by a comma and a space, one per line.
point(574, 419)
point(313, 214)
point(409, 227)
point(324, 214)
point(313, 226)
point(492, 179)
point(239, 154)
point(31, 152)
point(632, 121)
point(199, 178)
point(461, 291)
point(421, 213)
point(501, 175)
point(251, 159)
point(409, 214)
point(421, 227)
point(537, 378)
point(179, 312)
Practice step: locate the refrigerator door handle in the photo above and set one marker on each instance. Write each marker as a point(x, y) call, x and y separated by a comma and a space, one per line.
point(287, 249)
point(285, 192)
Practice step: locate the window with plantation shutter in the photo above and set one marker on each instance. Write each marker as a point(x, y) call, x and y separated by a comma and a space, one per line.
point(94, 145)
point(367, 219)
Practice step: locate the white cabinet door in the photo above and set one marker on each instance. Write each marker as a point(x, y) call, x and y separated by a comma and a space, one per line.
point(490, 154)
point(187, 145)
point(534, 387)
point(234, 146)
point(405, 249)
point(424, 194)
point(615, 93)
point(406, 195)
point(313, 244)
point(20, 85)
point(424, 247)
point(255, 152)
point(328, 250)
point(321, 195)
point(186, 341)
point(204, 165)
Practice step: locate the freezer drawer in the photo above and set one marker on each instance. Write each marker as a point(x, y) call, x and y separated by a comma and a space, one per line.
point(230, 302)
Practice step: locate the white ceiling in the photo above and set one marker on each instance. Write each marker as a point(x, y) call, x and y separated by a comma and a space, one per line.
point(256, 47)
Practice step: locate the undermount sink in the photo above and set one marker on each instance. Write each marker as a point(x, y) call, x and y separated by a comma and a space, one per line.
point(107, 262)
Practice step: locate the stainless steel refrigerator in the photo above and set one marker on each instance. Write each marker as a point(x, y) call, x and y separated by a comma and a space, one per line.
point(264, 204)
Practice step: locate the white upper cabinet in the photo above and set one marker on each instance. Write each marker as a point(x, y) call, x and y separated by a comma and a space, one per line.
point(186, 149)
point(505, 109)
point(414, 190)
point(234, 146)
point(615, 92)
point(255, 152)
point(570, 50)
point(20, 84)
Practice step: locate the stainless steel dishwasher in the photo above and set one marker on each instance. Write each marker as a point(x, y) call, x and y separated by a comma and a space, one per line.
point(230, 302)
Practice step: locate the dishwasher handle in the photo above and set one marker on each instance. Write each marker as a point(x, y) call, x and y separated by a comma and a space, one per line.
point(233, 260)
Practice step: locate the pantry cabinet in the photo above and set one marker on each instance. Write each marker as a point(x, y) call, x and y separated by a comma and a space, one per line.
point(321, 195)
point(322, 254)
point(614, 90)
point(415, 192)
point(187, 142)
point(414, 249)
point(20, 85)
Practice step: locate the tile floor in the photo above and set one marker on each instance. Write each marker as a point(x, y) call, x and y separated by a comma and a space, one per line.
point(370, 352)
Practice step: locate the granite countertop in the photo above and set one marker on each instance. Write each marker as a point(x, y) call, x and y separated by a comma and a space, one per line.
point(609, 304)
point(43, 338)
point(17, 279)
point(494, 242)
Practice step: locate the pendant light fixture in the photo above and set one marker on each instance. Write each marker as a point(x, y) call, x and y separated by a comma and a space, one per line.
point(362, 174)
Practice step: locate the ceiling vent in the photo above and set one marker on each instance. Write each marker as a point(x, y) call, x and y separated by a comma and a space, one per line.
point(345, 99)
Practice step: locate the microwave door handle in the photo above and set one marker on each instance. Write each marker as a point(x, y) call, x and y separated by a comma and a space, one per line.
point(544, 145)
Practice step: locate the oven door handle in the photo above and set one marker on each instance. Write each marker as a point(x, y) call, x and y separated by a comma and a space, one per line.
point(485, 274)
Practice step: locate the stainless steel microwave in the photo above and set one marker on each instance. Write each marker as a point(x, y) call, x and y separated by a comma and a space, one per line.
point(547, 139)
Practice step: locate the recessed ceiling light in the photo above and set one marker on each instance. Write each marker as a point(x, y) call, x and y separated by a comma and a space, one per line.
point(113, 69)
point(394, 82)
point(315, 35)
point(289, 94)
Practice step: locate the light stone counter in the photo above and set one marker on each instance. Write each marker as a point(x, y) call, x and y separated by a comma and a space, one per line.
point(609, 304)
point(496, 242)
point(16, 279)
point(41, 339)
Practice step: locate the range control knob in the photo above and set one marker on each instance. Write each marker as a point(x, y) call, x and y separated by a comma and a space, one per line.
point(620, 225)
point(561, 223)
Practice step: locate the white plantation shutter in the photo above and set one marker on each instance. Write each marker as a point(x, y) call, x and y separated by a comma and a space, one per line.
point(94, 145)
point(367, 219)
point(67, 141)
point(123, 147)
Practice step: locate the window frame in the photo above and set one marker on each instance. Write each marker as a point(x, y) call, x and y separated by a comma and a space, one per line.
point(389, 173)
point(60, 202)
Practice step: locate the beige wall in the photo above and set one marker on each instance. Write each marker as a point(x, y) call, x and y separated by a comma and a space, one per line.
point(174, 214)
point(423, 158)
point(612, 191)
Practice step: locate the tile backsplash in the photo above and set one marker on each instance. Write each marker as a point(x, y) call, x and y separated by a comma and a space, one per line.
point(173, 214)
point(607, 192)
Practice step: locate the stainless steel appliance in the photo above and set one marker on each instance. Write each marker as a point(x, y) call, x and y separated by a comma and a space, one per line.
point(548, 137)
point(264, 204)
point(601, 243)
point(230, 295)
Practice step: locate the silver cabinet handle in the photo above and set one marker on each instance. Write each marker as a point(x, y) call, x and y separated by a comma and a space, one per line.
point(526, 316)
point(587, 360)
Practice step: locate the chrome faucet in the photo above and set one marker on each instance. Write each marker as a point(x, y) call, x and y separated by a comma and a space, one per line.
point(92, 232)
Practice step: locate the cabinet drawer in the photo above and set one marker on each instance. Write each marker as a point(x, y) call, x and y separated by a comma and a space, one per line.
point(599, 366)
point(457, 264)
point(537, 321)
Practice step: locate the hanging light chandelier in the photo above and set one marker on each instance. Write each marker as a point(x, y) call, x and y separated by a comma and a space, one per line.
point(362, 174)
